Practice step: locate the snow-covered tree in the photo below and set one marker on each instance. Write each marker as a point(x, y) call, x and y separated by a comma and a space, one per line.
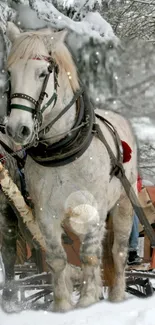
point(132, 19)
point(90, 37)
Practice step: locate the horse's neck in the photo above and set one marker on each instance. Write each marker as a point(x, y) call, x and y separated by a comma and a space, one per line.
point(64, 124)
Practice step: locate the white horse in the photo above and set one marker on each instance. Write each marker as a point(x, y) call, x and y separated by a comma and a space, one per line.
point(80, 193)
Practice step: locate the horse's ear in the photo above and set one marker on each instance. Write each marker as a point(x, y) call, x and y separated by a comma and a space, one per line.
point(59, 36)
point(12, 31)
point(62, 35)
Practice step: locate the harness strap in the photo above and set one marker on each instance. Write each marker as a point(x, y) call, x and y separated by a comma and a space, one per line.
point(116, 164)
point(119, 171)
point(22, 107)
point(53, 98)
point(24, 96)
point(43, 93)
point(137, 208)
point(116, 138)
point(73, 100)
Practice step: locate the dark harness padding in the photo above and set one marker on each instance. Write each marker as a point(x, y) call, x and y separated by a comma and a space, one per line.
point(74, 144)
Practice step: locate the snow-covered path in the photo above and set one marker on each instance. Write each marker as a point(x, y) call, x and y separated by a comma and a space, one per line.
point(133, 311)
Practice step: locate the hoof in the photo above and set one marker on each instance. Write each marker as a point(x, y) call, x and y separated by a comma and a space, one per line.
point(86, 301)
point(61, 307)
point(116, 298)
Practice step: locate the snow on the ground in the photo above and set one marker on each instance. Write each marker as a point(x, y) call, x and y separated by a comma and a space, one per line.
point(131, 312)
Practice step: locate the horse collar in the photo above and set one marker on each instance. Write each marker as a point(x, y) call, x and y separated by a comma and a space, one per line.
point(74, 144)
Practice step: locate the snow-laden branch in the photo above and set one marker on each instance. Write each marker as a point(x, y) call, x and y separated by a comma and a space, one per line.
point(6, 13)
point(78, 3)
point(93, 24)
point(100, 25)
point(50, 14)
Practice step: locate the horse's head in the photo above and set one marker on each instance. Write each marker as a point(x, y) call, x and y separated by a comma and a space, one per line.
point(36, 60)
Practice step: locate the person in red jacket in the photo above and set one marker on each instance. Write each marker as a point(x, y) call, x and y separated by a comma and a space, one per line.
point(133, 257)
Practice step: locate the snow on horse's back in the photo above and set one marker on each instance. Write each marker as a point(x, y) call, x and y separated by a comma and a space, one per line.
point(79, 194)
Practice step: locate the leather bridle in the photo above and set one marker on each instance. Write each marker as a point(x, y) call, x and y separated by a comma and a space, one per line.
point(36, 110)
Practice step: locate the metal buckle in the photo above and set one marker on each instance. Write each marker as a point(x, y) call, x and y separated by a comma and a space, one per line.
point(36, 131)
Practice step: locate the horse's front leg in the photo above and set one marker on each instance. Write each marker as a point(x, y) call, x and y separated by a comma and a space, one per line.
point(62, 285)
point(57, 261)
point(90, 255)
point(122, 223)
point(85, 222)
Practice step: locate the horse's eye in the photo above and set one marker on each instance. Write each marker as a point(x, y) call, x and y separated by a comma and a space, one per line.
point(43, 74)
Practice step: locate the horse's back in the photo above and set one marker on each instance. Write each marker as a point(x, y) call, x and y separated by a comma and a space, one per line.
point(120, 123)
point(125, 132)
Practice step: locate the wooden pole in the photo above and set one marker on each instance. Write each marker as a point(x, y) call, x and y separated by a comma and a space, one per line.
point(11, 190)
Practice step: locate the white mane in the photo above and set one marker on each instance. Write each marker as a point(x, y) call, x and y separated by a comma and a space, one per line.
point(40, 44)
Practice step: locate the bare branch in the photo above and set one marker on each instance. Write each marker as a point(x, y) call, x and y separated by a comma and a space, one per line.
point(145, 2)
point(138, 84)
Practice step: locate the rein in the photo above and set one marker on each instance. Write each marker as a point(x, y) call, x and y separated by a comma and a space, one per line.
point(73, 100)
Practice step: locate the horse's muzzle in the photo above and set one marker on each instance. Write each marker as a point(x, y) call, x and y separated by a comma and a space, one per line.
point(19, 134)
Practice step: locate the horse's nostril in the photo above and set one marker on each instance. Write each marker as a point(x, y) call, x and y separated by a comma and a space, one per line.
point(9, 130)
point(25, 131)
